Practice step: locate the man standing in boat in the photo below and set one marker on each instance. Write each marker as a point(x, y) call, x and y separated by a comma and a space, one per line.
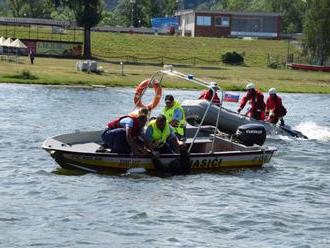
point(160, 136)
point(275, 110)
point(256, 100)
point(122, 134)
point(175, 116)
point(207, 94)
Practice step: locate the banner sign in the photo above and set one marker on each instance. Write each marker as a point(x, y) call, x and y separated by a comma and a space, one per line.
point(58, 48)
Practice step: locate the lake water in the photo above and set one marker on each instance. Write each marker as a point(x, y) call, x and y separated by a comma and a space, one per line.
point(285, 204)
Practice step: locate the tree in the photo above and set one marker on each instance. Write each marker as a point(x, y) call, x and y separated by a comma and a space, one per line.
point(293, 11)
point(88, 13)
point(37, 9)
point(30, 8)
point(317, 29)
point(16, 7)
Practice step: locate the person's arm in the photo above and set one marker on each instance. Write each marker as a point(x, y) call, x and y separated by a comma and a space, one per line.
point(267, 108)
point(202, 95)
point(242, 104)
point(174, 141)
point(177, 117)
point(130, 140)
point(147, 137)
point(128, 124)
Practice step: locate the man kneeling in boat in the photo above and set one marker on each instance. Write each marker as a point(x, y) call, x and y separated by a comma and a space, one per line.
point(160, 136)
point(122, 134)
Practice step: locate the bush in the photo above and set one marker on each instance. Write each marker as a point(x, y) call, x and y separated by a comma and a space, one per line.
point(26, 74)
point(276, 65)
point(232, 58)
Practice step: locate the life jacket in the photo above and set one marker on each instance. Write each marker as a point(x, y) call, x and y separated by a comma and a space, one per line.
point(207, 95)
point(275, 105)
point(256, 100)
point(116, 124)
point(157, 134)
point(169, 113)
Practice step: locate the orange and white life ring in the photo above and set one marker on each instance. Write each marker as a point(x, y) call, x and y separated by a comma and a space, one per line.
point(141, 88)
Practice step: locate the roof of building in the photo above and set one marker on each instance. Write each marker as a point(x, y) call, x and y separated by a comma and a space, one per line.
point(32, 21)
point(235, 13)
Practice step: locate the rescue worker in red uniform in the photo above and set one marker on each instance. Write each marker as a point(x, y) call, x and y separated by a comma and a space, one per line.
point(122, 135)
point(207, 94)
point(256, 100)
point(274, 108)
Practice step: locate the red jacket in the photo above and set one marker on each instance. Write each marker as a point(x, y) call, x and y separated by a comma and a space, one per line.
point(116, 124)
point(256, 100)
point(207, 95)
point(275, 105)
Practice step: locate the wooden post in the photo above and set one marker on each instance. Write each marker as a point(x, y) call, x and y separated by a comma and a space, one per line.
point(122, 69)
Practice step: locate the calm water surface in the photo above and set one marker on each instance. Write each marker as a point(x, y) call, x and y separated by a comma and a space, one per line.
point(285, 204)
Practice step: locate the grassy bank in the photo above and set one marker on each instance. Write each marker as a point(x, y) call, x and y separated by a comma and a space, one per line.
point(62, 72)
point(177, 49)
point(172, 50)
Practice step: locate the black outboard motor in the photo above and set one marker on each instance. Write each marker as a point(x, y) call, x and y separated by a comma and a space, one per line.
point(251, 134)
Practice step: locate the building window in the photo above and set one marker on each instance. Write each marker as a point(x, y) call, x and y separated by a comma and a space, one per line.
point(222, 21)
point(204, 20)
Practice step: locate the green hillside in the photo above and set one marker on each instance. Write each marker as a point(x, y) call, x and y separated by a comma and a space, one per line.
point(208, 49)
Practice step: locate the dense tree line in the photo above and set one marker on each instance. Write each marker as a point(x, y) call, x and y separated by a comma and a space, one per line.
point(124, 12)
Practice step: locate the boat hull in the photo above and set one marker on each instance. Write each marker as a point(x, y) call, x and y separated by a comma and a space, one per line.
point(112, 163)
point(229, 120)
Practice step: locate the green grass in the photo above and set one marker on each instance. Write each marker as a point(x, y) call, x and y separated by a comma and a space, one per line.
point(256, 51)
point(61, 71)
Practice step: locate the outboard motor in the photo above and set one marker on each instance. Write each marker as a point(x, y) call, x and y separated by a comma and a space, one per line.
point(251, 134)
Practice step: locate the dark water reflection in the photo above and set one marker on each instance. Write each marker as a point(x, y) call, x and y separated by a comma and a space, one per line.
point(286, 204)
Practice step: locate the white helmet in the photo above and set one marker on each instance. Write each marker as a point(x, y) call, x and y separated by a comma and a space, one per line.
point(250, 86)
point(272, 91)
point(214, 85)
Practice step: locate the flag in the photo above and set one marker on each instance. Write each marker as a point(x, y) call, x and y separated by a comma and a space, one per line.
point(231, 97)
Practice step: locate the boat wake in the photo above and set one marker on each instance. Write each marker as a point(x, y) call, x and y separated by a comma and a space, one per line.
point(314, 131)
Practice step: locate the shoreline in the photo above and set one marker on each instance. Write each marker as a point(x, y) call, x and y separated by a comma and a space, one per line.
point(55, 72)
point(83, 86)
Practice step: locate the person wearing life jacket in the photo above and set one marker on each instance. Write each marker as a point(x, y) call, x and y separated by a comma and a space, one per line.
point(275, 110)
point(175, 116)
point(256, 100)
point(160, 136)
point(207, 94)
point(122, 134)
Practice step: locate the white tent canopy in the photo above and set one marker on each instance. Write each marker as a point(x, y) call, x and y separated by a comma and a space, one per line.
point(7, 42)
point(2, 40)
point(18, 44)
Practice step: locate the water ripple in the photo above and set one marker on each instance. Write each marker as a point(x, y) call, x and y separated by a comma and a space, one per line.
point(285, 204)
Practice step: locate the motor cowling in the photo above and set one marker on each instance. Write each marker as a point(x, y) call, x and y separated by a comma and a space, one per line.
point(251, 134)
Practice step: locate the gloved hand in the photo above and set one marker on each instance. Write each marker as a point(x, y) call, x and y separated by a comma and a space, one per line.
point(155, 154)
point(282, 122)
point(239, 110)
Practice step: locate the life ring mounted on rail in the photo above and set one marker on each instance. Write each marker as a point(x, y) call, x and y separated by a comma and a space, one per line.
point(140, 89)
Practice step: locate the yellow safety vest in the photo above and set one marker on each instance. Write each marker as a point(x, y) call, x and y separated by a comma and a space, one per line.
point(157, 134)
point(169, 113)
